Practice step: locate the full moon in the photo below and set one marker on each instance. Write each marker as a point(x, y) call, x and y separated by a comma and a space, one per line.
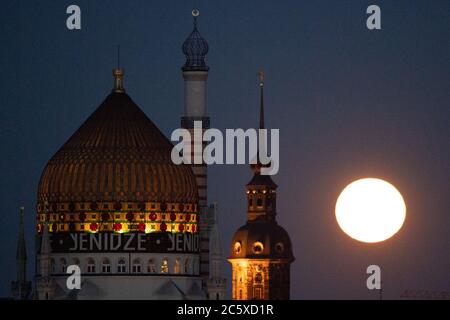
point(370, 210)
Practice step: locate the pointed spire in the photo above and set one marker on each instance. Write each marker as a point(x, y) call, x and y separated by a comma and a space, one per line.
point(261, 108)
point(195, 14)
point(21, 247)
point(21, 288)
point(257, 167)
point(21, 254)
point(118, 74)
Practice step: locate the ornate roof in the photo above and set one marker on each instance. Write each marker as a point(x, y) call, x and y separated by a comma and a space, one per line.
point(118, 154)
point(195, 49)
point(273, 240)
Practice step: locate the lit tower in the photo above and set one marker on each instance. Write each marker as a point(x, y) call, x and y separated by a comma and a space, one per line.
point(195, 74)
point(21, 288)
point(261, 251)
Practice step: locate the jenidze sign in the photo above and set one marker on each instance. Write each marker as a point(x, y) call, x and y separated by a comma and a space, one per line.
point(125, 242)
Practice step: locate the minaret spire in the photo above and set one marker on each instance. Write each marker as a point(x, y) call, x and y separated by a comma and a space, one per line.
point(217, 284)
point(21, 287)
point(261, 108)
point(118, 74)
point(195, 75)
point(21, 254)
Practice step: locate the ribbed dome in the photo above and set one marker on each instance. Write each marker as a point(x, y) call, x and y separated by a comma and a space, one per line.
point(195, 48)
point(118, 154)
point(272, 239)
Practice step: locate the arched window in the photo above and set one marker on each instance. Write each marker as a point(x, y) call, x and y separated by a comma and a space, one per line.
point(106, 265)
point(151, 266)
point(259, 202)
point(137, 268)
point(186, 266)
point(176, 266)
point(165, 266)
point(90, 265)
point(76, 261)
point(63, 264)
point(121, 266)
point(258, 278)
point(217, 296)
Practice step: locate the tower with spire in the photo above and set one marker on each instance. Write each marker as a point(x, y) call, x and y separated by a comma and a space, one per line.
point(261, 250)
point(21, 288)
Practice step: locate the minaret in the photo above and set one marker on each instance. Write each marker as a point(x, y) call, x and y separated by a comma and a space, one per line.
point(261, 250)
point(45, 284)
point(216, 283)
point(21, 288)
point(195, 74)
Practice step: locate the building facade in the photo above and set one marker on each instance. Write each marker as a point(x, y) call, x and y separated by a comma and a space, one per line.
point(112, 202)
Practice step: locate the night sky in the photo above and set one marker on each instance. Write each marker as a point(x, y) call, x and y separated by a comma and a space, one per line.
point(349, 103)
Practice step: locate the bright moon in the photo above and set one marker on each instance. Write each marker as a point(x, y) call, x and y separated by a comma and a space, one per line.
point(370, 210)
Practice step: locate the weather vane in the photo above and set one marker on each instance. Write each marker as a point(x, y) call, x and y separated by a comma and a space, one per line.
point(261, 78)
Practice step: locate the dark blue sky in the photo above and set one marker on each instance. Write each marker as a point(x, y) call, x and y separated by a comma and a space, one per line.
point(349, 103)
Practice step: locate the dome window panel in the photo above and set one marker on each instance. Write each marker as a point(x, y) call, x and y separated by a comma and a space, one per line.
point(237, 247)
point(258, 247)
point(279, 247)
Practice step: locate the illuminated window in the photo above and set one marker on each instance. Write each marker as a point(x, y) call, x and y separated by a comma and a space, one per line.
point(258, 278)
point(106, 265)
point(151, 266)
point(176, 266)
point(121, 266)
point(90, 265)
point(63, 263)
point(137, 266)
point(258, 247)
point(237, 247)
point(165, 266)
